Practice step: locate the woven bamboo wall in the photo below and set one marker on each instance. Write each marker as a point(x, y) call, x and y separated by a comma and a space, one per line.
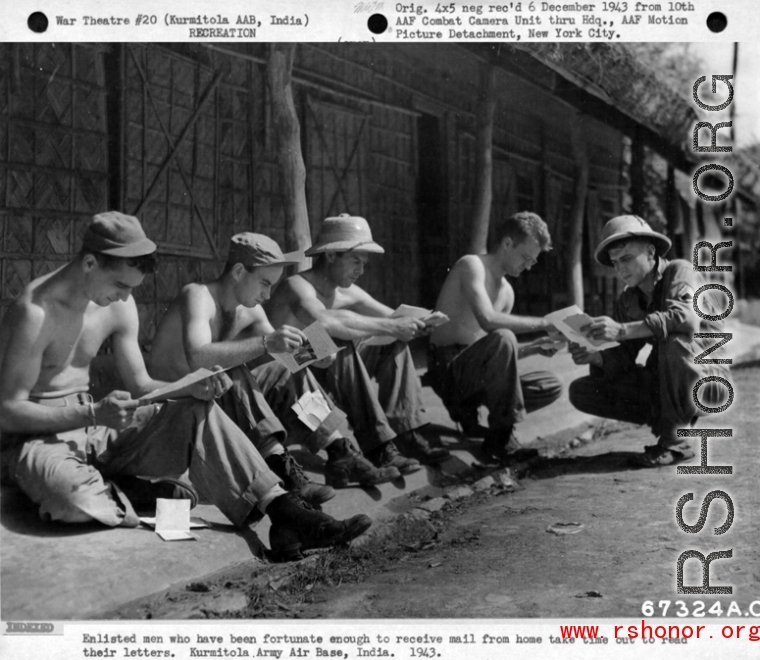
point(192, 152)
point(187, 161)
point(53, 156)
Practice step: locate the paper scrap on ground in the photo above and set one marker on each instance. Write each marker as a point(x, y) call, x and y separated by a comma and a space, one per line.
point(173, 520)
point(317, 346)
point(312, 409)
point(168, 391)
point(569, 321)
point(431, 319)
point(195, 522)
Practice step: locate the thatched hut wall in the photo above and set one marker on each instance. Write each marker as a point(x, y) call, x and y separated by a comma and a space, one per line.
point(181, 135)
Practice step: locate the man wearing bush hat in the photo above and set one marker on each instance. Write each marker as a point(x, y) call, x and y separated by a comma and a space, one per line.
point(656, 307)
point(387, 424)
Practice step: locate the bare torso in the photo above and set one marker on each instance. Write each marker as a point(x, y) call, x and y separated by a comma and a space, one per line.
point(167, 359)
point(68, 339)
point(455, 301)
point(282, 308)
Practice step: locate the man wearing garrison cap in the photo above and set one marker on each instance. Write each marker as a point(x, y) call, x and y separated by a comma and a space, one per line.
point(656, 307)
point(387, 423)
point(223, 323)
point(81, 460)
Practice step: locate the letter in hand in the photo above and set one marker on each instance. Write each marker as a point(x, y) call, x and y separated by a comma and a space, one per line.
point(116, 410)
point(407, 328)
point(555, 335)
point(212, 387)
point(286, 339)
point(581, 355)
point(602, 328)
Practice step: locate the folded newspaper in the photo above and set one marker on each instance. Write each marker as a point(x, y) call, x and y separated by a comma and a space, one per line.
point(317, 346)
point(430, 318)
point(569, 322)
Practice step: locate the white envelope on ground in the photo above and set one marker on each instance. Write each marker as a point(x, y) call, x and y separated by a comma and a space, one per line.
point(173, 520)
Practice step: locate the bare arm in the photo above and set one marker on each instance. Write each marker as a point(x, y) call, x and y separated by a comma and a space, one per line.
point(473, 289)
point(23, 335)
point(370, 320)
point(129, 359)
point(365, 304)
point(197, 308)
point(131, 365)
point(604, 328)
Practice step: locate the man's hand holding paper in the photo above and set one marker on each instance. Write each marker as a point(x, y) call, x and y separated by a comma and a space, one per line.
point(593, 334)
point(581, 355)
point(602, 328)
point(212, 387)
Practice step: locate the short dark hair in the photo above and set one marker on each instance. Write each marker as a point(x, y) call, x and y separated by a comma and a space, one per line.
point(231, 264)
point(147, 264)
point(524, 225)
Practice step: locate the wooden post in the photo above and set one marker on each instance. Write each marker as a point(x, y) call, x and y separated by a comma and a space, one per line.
point(483, 160)
point(577, 215)
point(671, 210)
point(637, 173)
point(288, 144)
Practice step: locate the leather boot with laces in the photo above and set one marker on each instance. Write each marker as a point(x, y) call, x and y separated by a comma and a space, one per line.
point(388, 455)
point(345, 465)
point(297, 528)
point(293, 478)
point(416, 446)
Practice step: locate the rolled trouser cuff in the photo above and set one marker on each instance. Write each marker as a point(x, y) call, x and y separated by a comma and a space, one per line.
point(320, 438)
point(244, 511)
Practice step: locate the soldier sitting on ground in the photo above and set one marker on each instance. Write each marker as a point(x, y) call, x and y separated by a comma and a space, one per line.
point(388, 424)
point(222, 322)
point(70, 454)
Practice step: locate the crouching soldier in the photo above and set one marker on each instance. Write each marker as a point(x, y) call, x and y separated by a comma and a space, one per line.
point(656, 308)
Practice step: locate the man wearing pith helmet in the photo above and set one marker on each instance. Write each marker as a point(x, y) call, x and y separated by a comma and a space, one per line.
point(656, 307)
point(223, 323)
point(386, 424)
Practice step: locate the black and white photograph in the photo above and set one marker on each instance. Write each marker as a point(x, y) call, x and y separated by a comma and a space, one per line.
point(171, 206)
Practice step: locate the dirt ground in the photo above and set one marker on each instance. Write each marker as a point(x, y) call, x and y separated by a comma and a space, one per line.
point(492, 555)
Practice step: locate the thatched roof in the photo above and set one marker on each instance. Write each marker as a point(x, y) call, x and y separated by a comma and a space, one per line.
point(612, 74)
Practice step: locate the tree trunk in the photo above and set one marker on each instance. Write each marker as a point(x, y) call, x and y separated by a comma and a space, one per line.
point(484, 160)
point(577, 215)
point(288, 144)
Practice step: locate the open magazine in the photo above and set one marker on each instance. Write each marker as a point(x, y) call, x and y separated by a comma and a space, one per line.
point(569, 322)
point(317, 346)
point(432, 320)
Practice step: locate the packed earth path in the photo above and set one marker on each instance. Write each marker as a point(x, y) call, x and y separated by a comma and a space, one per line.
point(585, 534)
